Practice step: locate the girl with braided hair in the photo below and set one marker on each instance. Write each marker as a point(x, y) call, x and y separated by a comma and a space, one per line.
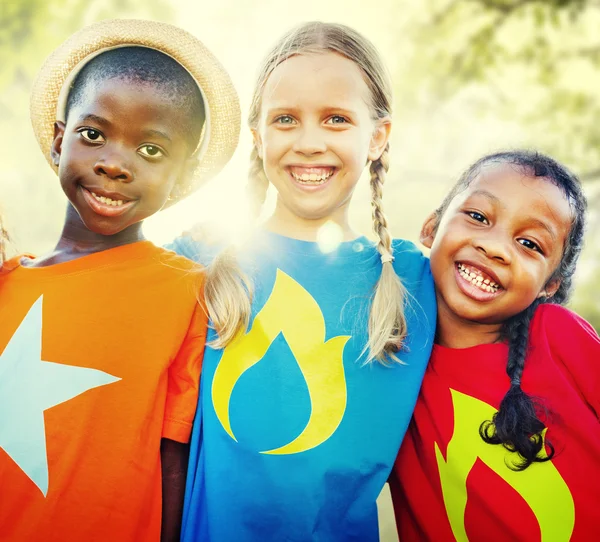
point(505, 439)
point(310, 383)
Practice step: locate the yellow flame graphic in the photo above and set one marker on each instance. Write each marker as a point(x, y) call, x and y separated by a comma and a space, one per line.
point(541, 485)
point(293, 312)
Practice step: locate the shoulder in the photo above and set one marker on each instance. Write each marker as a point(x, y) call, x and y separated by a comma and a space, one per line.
point(572, 344)
point(558, 322)
point(175, 261)
point(166, 267)
point(413, 269)
point(13, 263)
point(410, 263)
point(199, 244)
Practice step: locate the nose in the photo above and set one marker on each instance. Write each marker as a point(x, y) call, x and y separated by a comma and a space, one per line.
point(114, 168)
point(494, 247)
point(309, 141)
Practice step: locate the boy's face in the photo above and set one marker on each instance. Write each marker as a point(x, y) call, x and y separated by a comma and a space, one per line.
point(120, 154)
point(497, 245)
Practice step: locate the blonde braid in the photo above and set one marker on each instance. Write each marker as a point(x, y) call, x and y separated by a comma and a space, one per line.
point(228, 290)
point(387, 324)
point(258, 183)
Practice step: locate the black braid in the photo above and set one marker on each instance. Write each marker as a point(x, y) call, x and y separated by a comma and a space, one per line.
point(516, 425)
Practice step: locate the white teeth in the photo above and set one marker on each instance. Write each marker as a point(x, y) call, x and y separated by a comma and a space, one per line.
point(108, 201)
point(477, 280)
point(312, 178)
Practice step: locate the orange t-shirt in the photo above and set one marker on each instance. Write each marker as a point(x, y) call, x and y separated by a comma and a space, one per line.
point(100, 358)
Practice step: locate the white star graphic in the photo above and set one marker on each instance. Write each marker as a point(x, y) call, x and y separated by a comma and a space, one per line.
point(28, 387)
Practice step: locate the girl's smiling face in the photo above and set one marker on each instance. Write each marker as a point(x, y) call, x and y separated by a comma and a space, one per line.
point(316, 134)
point(497, 245)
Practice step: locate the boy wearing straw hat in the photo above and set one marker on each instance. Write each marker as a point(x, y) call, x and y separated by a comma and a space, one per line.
point(101, 341)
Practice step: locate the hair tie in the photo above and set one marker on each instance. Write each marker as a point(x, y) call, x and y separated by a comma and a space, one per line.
point(386, 258)
point(516, 381)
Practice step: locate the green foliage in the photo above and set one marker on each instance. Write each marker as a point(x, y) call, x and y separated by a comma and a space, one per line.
point(534, 63)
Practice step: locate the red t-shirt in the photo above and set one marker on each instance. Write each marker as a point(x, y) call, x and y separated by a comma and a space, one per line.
point(100, 358)
point(448, 484)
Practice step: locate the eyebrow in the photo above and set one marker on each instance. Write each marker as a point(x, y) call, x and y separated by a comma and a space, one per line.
point(534, 221)
point(281, 109)
point(542, 224)
point(95, 118)
point(105, 122)
point(488, 195)
point(157, 133)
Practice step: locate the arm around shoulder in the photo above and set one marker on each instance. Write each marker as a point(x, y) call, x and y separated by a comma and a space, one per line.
point(201, 244)
point(421, 310)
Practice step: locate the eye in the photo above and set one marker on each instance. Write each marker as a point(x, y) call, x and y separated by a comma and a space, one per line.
point(151, 151)
point(286, 120)
point(527, 243)
point(337, 119)
point(477, 216)
point(91, 135)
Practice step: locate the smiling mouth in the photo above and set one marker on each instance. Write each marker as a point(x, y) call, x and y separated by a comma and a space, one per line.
point(478, 278)
point(104, 205)
point(312, 176)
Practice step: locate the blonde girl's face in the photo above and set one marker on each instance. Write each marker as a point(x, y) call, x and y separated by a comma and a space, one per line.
point(316, 134)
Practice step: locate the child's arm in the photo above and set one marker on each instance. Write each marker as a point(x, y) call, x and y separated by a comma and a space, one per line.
point(174, 458)
point(180, 408)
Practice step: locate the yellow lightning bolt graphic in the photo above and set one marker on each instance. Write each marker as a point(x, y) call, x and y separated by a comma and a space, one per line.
point(540, 485)
point(293, 312)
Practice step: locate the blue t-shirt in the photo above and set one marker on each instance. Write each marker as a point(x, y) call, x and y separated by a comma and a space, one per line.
point(294, 435)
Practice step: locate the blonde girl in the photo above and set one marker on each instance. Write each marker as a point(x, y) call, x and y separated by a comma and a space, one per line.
point(317, 355)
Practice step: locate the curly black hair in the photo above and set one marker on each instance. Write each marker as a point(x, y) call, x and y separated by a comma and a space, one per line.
point(517, 425)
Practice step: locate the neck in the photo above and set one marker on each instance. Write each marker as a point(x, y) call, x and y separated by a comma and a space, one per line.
point(76, 240)
point(455, 332)
point(285, 222)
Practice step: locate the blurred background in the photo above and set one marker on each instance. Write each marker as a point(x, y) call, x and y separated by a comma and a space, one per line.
point(470, 77)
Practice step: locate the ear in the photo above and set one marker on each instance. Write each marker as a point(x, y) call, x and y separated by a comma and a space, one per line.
point(257, 142)
point(56, 147)
point(428, 229)
point(380, 138)
point(550, 288)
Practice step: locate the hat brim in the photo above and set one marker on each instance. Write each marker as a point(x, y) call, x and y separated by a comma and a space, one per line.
point(222, 125)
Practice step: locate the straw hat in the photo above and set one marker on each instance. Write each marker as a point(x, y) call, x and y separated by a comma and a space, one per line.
point(222, 125)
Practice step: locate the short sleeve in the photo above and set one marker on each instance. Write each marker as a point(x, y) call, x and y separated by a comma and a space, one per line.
point(421, 309)
point(200, 244)
point(575, 343)
point(184, 380)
